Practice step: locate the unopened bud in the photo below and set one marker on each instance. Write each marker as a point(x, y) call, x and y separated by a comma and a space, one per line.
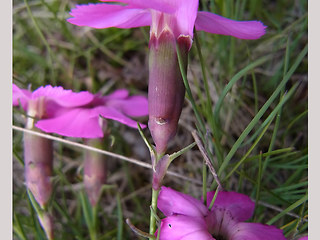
point(166, 89)
point(38, 159)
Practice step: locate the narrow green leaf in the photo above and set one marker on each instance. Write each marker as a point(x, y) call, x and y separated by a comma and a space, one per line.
point(120, 218)
point(211, 117)
point(263, 110)
point(17, 228)
point(285, 79)
point(247, 153)
point(88, 215)
point(235, 78)
point(45, 42)
point(288, 209)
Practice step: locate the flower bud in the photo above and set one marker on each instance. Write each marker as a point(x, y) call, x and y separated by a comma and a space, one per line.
point(38, 160)
point(38, 157)
point(166, 89)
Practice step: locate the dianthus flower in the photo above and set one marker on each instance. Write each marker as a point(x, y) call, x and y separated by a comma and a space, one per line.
point(43, 103)
point(78, 114)
point(178, 16)
point(171, 22)
point(56, 110)
point(189, 219)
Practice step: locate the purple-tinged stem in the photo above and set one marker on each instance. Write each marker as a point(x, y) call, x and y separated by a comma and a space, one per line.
point(94, 171)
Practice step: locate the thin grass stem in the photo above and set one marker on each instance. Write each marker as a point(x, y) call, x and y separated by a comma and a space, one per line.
point(262, 110)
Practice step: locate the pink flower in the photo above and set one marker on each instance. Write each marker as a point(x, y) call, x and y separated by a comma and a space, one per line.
point(188, 219)
point(171, 22)
point(78, 114)
point(179, 16)
point(304, 238)
point(43, 103)
point(46, 101)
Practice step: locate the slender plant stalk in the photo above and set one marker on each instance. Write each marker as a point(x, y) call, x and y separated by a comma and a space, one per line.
point(209, 111)
point(120, 219)
point(291, 207)
point(248, 152)
point(214, 198)
point(154, 203)
point(89, 216)
point(43, 39)
point(18, 229)
point(204, 182)
point(189, 94)
point(258, 186)
point(262, 110)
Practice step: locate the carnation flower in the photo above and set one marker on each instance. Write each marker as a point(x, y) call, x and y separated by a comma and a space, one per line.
point(78, 114)
point(179, 16)
point(56, 110)
point(171, 22)
point(189, 219)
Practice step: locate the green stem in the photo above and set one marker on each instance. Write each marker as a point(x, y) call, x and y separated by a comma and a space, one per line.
point(154, 202)
point(43, 39)
point(214, 198)
point(189, 94)
point(204, 182)
point(93, 235)
point(263, 109)
point(120, 218)
point(94, 220)
point(89, 215)
point(211, 117)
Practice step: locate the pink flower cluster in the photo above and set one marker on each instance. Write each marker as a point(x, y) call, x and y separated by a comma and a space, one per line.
point(78, 114)
point(188, 218)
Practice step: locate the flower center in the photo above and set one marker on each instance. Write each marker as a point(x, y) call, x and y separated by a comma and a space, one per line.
point(219, 237)
point(220, 223)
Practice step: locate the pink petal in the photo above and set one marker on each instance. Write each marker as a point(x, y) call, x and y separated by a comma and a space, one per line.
point(118, 94)
point(134, 106)
point(166, 6)
point(186, 16)
point(172, 202)
point(180, 227)
point(83, 123)
point(103, 15)
point(216, 24)
point(239, 205)
point(114, 114)
point(255, 231)
point(20, 95)
point(65, 98)
point(304, 238)
point(183, 13)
